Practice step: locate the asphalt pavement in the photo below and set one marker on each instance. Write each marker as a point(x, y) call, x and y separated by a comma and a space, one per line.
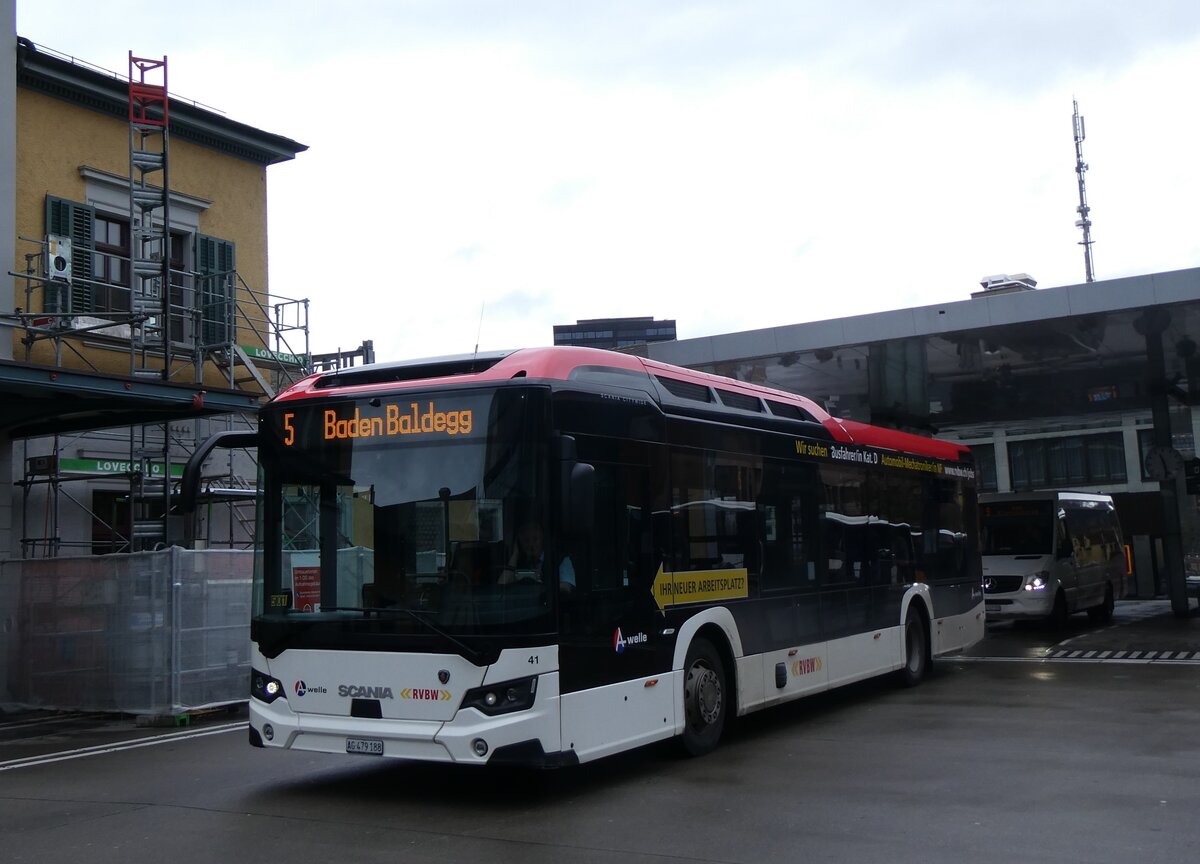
point(1142, 631)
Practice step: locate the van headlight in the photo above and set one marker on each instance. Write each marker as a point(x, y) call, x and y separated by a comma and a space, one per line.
point(1038, 582)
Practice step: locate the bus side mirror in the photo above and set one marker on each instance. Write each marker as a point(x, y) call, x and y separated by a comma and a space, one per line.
point(189, 486)
point(581, 498)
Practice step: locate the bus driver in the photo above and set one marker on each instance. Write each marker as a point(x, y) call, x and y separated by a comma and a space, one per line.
point(528, 560)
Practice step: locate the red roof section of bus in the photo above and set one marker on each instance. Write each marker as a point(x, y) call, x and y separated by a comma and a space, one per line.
point(558, 362)
point(908, 442)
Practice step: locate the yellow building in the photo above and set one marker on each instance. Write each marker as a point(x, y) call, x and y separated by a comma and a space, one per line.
point(139, 301)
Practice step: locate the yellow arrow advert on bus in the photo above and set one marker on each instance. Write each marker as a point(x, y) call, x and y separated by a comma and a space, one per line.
point(699, 586)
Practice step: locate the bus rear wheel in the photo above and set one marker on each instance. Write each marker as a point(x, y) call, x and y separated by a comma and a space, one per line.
point(705, 698)
point(916, 650)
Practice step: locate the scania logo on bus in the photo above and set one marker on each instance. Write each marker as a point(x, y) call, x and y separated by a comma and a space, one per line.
point(358, 691)
point(301, 688)
point(620, 641)
point(444, 676)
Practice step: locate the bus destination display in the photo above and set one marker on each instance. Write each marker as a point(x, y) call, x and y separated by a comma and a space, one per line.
point(391, 420)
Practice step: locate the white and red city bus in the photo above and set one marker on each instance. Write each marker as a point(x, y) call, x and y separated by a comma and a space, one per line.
point(706, 548)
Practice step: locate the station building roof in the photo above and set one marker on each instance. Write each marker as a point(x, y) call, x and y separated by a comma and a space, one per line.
point(1068, 350)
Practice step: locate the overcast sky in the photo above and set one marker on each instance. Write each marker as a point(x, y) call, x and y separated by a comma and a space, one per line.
point(480, 170)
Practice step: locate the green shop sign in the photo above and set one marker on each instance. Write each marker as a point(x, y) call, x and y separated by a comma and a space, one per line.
point(112, 466)
point(256, 353)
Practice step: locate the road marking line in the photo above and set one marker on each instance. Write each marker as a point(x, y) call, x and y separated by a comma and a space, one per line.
point(1148, 660)
point(100, 749)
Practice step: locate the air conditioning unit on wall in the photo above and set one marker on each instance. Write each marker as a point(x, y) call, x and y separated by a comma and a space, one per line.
point(58, 257)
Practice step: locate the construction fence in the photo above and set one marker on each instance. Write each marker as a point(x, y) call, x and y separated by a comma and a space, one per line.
point(150, 633)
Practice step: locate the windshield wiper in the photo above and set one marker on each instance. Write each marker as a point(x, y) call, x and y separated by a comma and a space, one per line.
point(472, 654)
point(378, 610)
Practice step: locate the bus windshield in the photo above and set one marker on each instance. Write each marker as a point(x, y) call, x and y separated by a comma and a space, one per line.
point(1017, 528)
point(396, 515)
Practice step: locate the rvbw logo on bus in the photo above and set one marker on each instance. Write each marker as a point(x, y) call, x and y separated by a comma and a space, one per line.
point(620, 641)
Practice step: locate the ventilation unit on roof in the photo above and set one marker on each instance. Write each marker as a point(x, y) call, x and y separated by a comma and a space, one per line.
point(1004, 283)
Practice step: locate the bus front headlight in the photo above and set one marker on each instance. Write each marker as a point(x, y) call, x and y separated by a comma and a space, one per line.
point(501, 698)
point(263, 687)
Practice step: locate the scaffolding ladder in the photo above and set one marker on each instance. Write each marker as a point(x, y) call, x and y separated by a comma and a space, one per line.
point(149, 291)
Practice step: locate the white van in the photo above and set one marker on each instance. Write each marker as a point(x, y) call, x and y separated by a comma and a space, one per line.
point(1048, 555)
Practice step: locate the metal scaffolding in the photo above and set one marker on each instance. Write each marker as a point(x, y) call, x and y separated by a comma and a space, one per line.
point(177, 323)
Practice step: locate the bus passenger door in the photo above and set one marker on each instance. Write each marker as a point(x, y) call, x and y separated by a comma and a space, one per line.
point(793, 654)
point(845, 566)
point(610, 636)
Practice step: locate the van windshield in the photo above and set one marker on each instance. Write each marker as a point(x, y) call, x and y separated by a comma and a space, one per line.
point(1017, 528)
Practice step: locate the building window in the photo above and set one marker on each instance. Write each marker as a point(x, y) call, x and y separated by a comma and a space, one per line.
point(180, 291)
point(203, 271)
point(1057, 463)
point(1183, 442)
point(216, 265)
point(110, 264)
point(75, 222)
point(110, 521)
point(985, 464)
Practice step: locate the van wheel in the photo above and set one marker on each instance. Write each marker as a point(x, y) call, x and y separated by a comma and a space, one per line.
point(705, 702)
point(916, 650)
point(1059, 614)
point(1103, 614)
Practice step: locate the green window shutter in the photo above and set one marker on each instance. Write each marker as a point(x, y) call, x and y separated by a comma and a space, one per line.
point(216, 261)
point(75, 221)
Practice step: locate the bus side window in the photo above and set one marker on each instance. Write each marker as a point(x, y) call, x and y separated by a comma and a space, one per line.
point(619, 543)
point(834, 544)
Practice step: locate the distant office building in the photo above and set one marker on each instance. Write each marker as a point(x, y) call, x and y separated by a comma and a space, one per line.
point(614, 332)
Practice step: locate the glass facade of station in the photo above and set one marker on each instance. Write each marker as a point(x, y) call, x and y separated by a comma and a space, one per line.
point(1054, 402)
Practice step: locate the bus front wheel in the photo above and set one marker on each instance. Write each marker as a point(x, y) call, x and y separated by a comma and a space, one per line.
point(705, 698)
point(916, 650)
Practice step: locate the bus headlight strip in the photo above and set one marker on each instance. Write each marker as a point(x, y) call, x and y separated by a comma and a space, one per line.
point(502, 698)
point(263, 687)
